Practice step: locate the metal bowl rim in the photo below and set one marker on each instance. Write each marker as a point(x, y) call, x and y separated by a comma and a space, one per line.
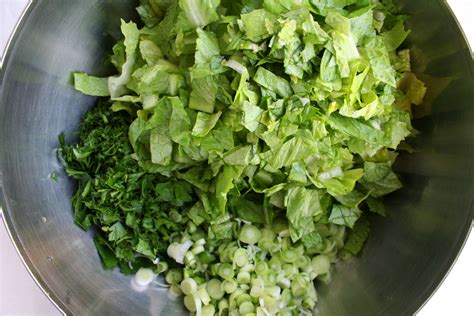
point(44, 287)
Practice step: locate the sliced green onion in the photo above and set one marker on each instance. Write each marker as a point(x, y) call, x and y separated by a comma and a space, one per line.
point(309, 270)
point(276, 263)
point(245, 287)
point(303, 261)
point(246, 308)
point(227, 253)
point(208, 310)
point(175, 291)
point(285, 312)
point(189, 259)
point(226, 271)
point(257, 281)
point(321, 264)
point(215, 268)
point(286, 297)
point(221, 248)
point(279, 226)
point(206, 257)
point(270, 304)
point(274, 291)
point(244, 297)
point(248, 268)
point(223, 305)
point(197, 250)
point(325, 278)
point(289, 255)
point(243, 277)
point(276, 260)
point(203, 295)
point(188, 286)
point(162, 266)
point(257, 291)
point(298, 286)
point(284, 282)
point(187, 273)
point(261, 267)
point(144, 276)
point(177, 250)
point(249, 234)
point(241, 257)
point(290, 270)
point(200, 279)
point(200, 242)
point(270, 277)
point(174, 276)
point(214, 288)
point(190, 303)
point(258, 288)
point(233, 298)
point(229, 286)
point(260, 311)
point(285, 242)
point(267, 233)
point(276, 247)
point(266, 244)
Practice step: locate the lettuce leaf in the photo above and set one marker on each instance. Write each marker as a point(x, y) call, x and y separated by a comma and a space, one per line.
point(380, 61)
point(270, 81)
point(357, 236)
point(379, 179)
point(200, 12)
point(303, 207)
point(343, 215)
point(131, 37)
point(91, 85)
point(257, 25)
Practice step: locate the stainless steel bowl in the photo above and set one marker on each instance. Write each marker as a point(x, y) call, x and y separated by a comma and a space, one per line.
point(408, 253)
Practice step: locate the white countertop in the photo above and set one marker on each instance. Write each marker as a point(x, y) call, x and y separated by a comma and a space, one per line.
point(20, 296)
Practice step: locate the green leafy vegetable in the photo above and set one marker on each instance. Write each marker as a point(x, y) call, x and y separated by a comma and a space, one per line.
point(269, 80)
point(242, 145)
point(343, 215)
point(302, 208)
point(91, 85)
point(258, 24)
point(358, 236)
point(117, 84)
point(115, 194)
point(199, 13)
point(205, 123)
point(380, 61)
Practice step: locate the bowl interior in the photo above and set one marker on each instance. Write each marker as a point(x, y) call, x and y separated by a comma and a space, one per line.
point(409, 251)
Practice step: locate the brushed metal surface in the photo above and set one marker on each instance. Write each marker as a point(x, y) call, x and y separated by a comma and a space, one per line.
point(408, 253)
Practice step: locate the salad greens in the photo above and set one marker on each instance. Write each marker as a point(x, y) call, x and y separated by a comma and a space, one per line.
point(242, 144)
